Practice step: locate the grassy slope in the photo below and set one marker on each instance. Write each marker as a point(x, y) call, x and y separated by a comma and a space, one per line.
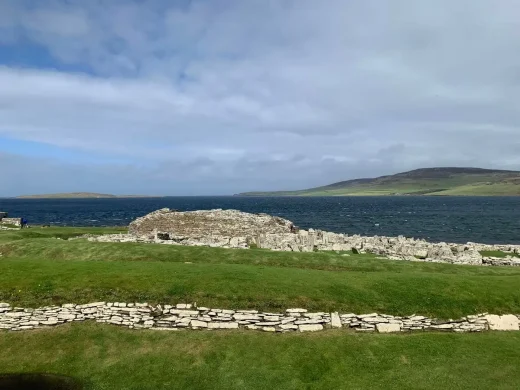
point(39, 270)
point(106, 357)
point(420, 182)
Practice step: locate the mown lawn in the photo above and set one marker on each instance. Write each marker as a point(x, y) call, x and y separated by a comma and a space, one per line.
point(106, 357)
point(36, 269)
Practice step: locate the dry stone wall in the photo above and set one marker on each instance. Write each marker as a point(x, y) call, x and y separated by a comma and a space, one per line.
point(228, 223)
point(11, 221)
point(188, 316)
point(236, 229)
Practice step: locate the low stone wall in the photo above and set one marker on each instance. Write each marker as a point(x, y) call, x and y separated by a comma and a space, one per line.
point(11, 221)
point(187, 316)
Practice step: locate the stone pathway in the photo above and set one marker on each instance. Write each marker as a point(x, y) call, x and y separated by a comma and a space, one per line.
point(187, 316)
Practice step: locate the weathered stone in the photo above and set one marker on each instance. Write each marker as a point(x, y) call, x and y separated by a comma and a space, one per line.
point(29, 323)
point(231, 228)
point(66, 317)
point(222, 325)
point(388, 328)
point(242, 317)
point(505, 322)
point(335, 320)
point(288, 327)
point(268, 323)
point(198, 324)
point(309, 322)
point(442, 326)
point(231, 224)
point(310, 328)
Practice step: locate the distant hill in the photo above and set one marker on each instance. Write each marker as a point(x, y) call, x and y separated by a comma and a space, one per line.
point(426, 181)
point(77, 195)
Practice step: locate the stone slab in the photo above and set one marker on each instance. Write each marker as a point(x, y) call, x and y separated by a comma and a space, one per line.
point(388, 328)
point(505, 322)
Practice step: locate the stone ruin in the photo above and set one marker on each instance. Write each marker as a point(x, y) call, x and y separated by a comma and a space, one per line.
point(4, 220)
point(226, 228)
point(237, 229)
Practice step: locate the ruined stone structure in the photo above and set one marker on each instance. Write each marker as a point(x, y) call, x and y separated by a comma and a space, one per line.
point(10, 221)
point(229, 223)
point(188, 316)
point(236, 229)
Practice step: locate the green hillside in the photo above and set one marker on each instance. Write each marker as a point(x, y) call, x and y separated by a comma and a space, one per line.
point(427, 181)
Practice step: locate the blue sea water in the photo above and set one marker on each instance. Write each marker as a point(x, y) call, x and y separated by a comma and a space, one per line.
point(455, 219)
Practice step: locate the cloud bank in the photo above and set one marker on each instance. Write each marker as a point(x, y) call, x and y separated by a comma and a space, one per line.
point(203, 97)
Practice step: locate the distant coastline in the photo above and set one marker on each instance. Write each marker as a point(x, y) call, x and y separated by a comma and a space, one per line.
point(440, 181)
point(81, 195)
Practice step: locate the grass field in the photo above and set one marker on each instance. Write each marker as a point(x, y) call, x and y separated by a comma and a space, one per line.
point(36, 268)
point(106, 357)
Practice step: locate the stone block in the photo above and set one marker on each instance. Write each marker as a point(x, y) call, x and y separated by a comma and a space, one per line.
point(335, 321)
point(310, 328)
point(289, 327)
point(388, 328)
point(222, 325)
point(244, 317)
point(198, 324)
point(505, 322)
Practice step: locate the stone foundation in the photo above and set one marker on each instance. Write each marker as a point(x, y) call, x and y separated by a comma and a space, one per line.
point(11, 221)
point(236, 229)
point(187, 316)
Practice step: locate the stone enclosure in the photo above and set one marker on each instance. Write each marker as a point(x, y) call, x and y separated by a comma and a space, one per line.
point(236, 229)
point(4, 220)
point(188, 316)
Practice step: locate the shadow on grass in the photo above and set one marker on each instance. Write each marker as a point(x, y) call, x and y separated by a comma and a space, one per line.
point(37, 381)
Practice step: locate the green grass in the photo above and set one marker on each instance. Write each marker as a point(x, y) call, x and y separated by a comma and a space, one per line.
point(106, 357)
point(498, 254)
point(36, 270)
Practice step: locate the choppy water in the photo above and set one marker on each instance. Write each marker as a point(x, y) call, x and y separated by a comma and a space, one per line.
point(456, 219)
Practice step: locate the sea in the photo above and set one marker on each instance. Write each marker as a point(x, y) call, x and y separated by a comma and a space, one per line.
point(453, 219)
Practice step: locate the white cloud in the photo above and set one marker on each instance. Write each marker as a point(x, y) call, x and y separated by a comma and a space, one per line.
point(294, 93)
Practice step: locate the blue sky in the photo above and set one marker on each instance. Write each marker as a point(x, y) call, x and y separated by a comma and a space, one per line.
point(217, 97)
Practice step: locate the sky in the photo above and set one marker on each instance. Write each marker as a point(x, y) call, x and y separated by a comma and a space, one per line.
point(215, 97)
